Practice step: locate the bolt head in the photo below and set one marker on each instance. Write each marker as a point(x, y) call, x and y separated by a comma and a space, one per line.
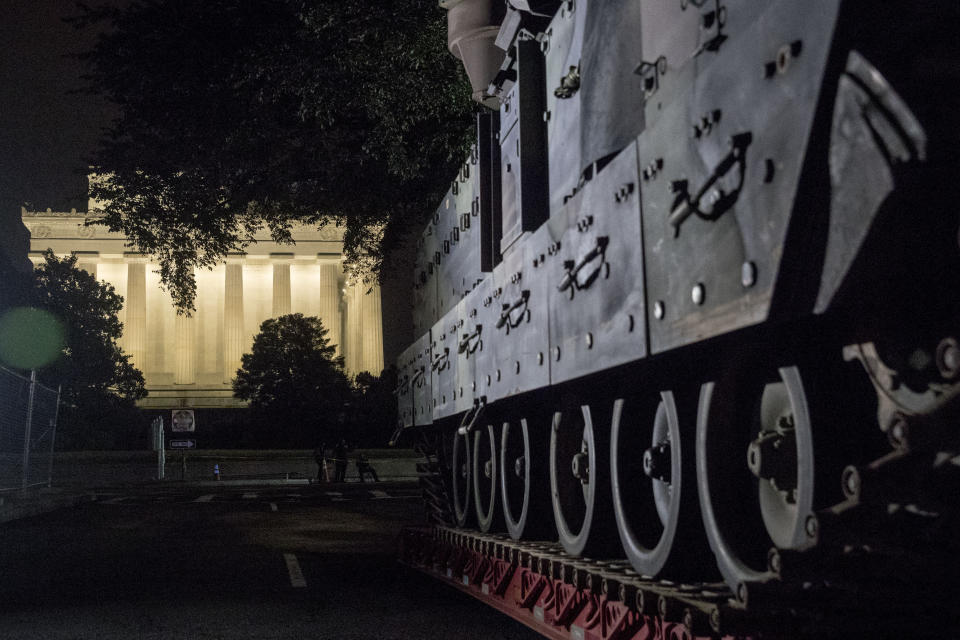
point(742, 592)
point(698, 293)
point(715, 620)
point(851, 482)
point(948, 358)
point(658, 310)
point(748, 274)
point(773, 560)
point(899, 433)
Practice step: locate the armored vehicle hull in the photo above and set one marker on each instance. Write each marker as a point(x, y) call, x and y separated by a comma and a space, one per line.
point(692, 302)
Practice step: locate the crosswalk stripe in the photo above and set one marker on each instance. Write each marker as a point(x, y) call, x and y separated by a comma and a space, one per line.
point(116, 500)
point(296, 574)
point(378, 495)
point(333, 493)
point(206, 498)
point(249, 496)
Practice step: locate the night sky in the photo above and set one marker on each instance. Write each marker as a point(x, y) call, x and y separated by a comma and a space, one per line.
point(47, 131)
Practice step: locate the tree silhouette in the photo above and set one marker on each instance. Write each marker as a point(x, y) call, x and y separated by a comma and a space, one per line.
point(294, 382)
point(100, 386)
point(235, 115)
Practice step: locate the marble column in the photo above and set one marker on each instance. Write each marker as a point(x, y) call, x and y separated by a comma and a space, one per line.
point(87, 260)
point(135, 310)
point(371, 318)
point(354, 327)
point(281, 289)
point(328, 299)
point(185, 360)
point(233, 336)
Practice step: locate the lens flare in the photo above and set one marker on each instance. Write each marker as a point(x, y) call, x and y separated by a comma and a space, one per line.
point(30, 338)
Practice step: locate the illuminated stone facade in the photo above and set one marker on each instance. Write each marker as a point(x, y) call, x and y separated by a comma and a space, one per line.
point(189, 361)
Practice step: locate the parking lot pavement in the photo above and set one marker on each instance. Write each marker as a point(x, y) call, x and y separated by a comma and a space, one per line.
point(279, 493)
point(167, 561)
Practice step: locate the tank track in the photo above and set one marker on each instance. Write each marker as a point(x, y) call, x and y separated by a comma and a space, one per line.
point(561, 596)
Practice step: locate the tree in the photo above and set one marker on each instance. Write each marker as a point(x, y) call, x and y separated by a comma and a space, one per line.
point(234, 115)
point(100, 386)
point(375, 416)
point(295, 383)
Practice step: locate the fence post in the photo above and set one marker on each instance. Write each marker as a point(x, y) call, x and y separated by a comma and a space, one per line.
point(27, 427)
point(53, 438)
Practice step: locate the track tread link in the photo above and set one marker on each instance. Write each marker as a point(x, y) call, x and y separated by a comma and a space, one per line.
point(562, 596)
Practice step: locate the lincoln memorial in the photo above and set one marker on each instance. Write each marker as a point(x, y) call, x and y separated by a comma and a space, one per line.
point(190, 361)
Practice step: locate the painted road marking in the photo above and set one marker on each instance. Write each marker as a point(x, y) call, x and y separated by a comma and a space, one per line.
point(296, 574)
point(206, 498)
point(249, 496)
point(378, 495)
point(339, 499)
point(333, 493)
point(273, 506)
point(116, 500)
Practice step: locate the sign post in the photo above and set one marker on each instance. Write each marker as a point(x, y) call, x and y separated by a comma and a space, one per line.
point(183, 421)
point(157, 426)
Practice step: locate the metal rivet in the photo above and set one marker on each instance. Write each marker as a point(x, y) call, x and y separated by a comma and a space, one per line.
point(516, 366)
point(658, 310)
point(498, 375)
point(556, 353)
point(748, 274)
point(488, 381)
point(698, 293)
point(589, 339)
point(473, 386)
point(540, 358)
point(630, 322)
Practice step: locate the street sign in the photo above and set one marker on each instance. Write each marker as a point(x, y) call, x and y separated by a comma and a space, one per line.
point(183, 444)
point(182, 421)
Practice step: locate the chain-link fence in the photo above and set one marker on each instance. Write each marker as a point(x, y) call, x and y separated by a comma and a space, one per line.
point(28, 427)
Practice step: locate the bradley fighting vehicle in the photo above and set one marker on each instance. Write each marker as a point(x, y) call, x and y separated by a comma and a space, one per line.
point(690, 306)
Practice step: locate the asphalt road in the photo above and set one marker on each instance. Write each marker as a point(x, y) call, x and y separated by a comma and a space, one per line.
point(229, 562)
